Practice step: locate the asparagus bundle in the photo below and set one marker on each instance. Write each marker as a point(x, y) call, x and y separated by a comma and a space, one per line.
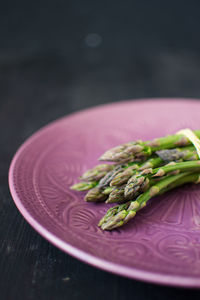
point(139, 170)
point(118, 175)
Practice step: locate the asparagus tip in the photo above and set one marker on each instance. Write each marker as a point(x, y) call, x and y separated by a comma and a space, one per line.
point(77, 186)
point(115, 221)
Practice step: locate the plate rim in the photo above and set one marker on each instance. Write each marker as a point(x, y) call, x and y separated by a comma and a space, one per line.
point(105, 265)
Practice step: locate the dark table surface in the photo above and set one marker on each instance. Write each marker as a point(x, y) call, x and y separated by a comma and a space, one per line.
point(57, 57)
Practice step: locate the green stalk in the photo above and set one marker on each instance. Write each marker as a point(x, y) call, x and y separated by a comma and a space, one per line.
point(84, 186)
point(184, 153)
point(95, 195)
point(121, 214)
point(135, 181)
point(96, 173)
point(139, 150)
point(170, 141)
point(186, 166)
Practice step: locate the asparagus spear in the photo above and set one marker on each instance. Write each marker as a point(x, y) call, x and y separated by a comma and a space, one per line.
point(96, 173)
point(138, 150)
point(116, 195)
point(84, 186)
point(135, 181)
point(95, 195)
point(127, 152)
point(185, 153)
point(98, 194)
point(121, 214)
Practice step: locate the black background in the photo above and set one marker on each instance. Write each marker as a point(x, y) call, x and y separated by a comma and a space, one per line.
point(52, 64)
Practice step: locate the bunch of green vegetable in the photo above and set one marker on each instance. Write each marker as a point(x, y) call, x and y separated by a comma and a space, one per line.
point(136, 172)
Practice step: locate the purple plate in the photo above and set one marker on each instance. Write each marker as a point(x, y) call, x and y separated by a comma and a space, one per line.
point(161, 244)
